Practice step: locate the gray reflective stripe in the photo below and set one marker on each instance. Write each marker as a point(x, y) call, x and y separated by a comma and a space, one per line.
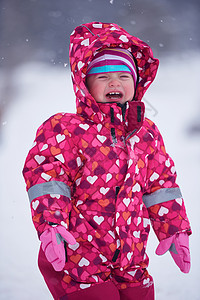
point(160, 196)
point(51, 187)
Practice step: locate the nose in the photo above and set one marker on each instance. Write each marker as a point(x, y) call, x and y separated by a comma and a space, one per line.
point(114, 82)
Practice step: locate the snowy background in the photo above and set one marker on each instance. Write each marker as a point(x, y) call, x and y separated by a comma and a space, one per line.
point(35, 84)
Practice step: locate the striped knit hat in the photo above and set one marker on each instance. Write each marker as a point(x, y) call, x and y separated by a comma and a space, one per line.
point(113, 60)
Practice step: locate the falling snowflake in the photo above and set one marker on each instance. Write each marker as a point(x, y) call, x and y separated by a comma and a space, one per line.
point(133, 22)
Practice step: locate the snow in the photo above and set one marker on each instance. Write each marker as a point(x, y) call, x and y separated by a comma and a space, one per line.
point(39, 92)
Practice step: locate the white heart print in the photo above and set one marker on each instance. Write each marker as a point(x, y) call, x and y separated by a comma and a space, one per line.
point(136, 188)
point(60, 138)
point(98, 220)
point(104, 190)
point(80, 65)
point(136, 234)
point(154, 176)
point(101, 138)
point(85, 42)
point(123, 38)
point(108, 177)
point(39, 158)
point(126, 201)
point(74, 247)
point(83, 262)
point(84, 126)
point(45, 176)
point(92, 179)
point(44, 147)
point(99, 126)
point(163, 211)
point(35, 204)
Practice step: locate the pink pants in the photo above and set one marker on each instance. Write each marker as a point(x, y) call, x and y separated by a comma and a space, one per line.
point(109, 291)
point(102, 291)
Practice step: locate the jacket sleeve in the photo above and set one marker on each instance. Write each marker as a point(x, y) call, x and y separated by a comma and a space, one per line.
point(162, 195)
point(50, 171)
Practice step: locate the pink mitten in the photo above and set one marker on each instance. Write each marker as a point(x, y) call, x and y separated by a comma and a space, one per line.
point(178, 245)
point(53, 245)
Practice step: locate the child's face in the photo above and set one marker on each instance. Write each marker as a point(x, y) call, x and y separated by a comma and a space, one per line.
point(111, 87)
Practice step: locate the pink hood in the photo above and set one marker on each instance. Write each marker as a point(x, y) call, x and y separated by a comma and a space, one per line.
point(87, 39)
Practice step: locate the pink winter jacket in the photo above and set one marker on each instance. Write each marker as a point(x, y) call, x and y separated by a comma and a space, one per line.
point(104, 173)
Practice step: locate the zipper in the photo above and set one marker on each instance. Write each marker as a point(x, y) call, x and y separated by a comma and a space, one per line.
point(112, 120)
point(117, 251)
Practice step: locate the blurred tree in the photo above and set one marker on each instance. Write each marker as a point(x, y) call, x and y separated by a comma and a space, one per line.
point(34, 30)
point(39, 30)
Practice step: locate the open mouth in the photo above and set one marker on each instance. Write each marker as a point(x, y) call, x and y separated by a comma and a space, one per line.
point(114, 95)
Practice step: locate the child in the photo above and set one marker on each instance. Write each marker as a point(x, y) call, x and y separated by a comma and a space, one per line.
point(97, 178)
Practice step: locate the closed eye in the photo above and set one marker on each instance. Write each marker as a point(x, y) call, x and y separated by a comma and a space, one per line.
point(125, 76)
point(102, 76)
